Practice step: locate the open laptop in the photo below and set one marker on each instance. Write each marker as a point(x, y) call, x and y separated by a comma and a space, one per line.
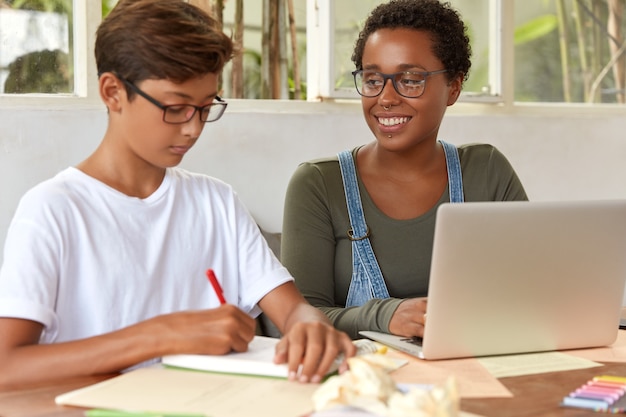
point(518, 277)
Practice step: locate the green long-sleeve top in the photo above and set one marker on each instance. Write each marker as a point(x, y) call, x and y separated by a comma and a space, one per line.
point(316, 250)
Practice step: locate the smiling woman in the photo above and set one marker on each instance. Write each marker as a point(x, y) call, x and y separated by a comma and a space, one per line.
point(358, 228)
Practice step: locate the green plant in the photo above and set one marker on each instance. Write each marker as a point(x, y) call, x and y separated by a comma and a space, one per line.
point(587, 39)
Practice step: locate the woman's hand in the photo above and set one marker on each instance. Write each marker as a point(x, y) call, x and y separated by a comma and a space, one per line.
point(409, 318)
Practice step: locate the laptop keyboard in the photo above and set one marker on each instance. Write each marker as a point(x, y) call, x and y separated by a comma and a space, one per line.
point(415, 340)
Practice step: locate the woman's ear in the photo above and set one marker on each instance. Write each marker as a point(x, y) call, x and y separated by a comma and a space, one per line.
point(455, 89)
point(112, 91)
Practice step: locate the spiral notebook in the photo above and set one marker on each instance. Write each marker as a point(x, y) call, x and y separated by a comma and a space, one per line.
point(257, 360)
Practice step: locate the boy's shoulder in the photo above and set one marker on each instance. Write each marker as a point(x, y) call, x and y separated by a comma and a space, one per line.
point(72, 186)
point(189, 179)
point(55, 197)
point(58, 186)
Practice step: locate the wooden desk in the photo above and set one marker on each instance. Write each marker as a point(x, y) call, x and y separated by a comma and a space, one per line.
point(38, 400)
point(534, 396)
point(539, 395)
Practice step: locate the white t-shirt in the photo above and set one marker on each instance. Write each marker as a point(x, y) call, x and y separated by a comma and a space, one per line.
point(84, 259)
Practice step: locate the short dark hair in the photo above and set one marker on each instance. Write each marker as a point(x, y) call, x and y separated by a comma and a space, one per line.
point(160, 39)
point(451, 43)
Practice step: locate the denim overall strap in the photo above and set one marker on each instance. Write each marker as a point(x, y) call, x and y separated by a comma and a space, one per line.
point(455, 179)
point(367, 279)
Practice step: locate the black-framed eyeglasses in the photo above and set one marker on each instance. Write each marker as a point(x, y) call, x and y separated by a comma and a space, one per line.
point(182, 113)
point(410, 84)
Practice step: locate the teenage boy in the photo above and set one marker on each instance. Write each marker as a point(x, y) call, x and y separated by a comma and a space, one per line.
point(104, 264)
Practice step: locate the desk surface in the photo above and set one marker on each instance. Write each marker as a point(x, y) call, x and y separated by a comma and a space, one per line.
point(534, 395)
point(539, 395)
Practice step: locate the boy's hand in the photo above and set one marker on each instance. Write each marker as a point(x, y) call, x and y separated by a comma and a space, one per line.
point(214, 332)
point(314, 345)
point(23, 360)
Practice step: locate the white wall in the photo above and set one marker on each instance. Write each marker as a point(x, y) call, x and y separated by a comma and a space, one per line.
point(559, 154)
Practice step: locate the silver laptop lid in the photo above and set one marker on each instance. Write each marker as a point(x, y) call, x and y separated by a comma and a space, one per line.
point(512, 277)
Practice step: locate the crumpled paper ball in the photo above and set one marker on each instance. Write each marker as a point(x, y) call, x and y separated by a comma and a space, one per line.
point(367, 385)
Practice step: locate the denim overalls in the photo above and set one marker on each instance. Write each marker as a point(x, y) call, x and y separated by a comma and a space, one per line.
point(367, 280)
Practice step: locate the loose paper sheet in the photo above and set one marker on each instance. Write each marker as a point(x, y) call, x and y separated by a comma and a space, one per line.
point(177, 391)
point(356, 412)
point(533, 363)
point(473, 380)
point(487, 385)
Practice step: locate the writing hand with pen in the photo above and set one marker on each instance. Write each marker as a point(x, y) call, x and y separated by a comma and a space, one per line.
point(310, 344)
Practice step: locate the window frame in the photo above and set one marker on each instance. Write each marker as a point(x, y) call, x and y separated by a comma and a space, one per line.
point(86, 20)
point(321, 66)
point(319, 73)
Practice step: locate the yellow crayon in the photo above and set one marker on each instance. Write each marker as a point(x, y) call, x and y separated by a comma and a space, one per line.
point(611, 378)
point(364, 346)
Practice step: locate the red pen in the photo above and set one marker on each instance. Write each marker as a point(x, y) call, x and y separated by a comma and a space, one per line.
point(216, 286)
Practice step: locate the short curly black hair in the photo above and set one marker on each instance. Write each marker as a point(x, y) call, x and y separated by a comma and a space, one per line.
point(451, 44)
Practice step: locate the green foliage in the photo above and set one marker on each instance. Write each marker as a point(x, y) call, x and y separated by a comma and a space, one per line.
point(538, 76)
point(536, 43)
point(55, 6)
point(251, 74)
point(535, 29)
point(479, 72)
point(39, 72)
point(107, 6)
point(43, 71)
point(292, 89)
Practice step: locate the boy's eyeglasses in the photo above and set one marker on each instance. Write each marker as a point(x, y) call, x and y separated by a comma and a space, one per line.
point(410, 84)
point(182, 113)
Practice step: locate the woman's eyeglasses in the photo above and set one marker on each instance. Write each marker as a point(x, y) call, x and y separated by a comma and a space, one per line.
point(410, 84)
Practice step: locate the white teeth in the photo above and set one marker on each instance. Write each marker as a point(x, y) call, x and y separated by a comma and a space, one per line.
point(392, 121)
